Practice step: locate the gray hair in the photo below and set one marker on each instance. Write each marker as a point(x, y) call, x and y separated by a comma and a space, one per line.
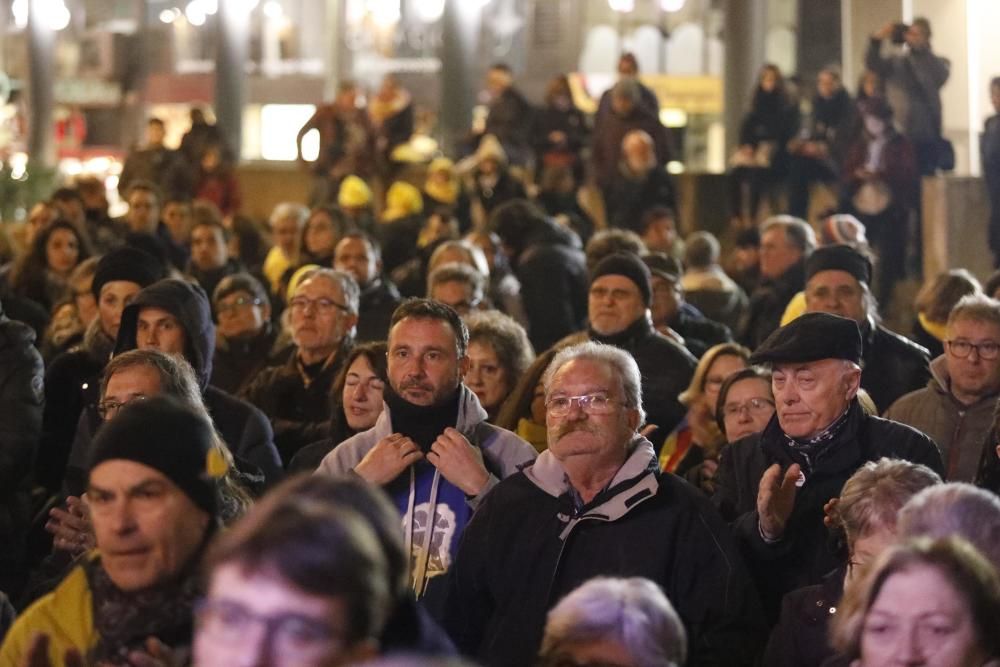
point(343, 280)
point(508, 339)
point(958, 509)
point(633, 611)
point(177, 377)
point(701, 250)
point(797, 231)
point(292, 210)
point(458, 273)
point(474, 255)
point(620, 361)
point(873, 495)
point(627, 89)
point(978, 307)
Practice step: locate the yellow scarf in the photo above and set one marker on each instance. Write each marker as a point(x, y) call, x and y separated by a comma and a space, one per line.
point(446, 193)
point(534, 434)
point(936, 329)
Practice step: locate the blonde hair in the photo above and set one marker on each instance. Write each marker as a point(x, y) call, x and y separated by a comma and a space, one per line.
point(696, 389)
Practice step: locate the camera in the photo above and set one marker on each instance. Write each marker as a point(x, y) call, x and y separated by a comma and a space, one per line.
point(899, 31)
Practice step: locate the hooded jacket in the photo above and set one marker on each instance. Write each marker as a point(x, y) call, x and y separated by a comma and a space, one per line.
point(244, 428)
point(958, 429)
point(21, 400)
point(503, 455)
point(529, 544)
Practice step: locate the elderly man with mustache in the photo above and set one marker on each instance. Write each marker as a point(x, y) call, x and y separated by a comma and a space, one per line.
point(596, 504)
point(431, 447)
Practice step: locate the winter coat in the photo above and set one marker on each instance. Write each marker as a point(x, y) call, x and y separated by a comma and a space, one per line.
point(716, 295)
point(768, 302)
point(913, 83)
point(72, 382)
point(243, 427)
point(21, 399)
point(610, 130)
point(892, 366)
point(989, 147)
point(510, 120)
point(378, 301)
point(553, 274)
point(237, 362)
point(801, 636)
point(299, 410)
point(503, 455)
point(699, 332)
point(211, 278)
point(643, 525)
point(628, 197)
point(802, 556)
point(959, 430)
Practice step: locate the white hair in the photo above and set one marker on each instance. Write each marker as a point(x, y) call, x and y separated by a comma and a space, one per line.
point(618, 360)
point(632, 611)
point(288, 209)
point(958, 509)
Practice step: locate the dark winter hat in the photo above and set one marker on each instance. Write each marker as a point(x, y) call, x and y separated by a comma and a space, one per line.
point(129, 264)
point(839, 257)
point(663, 265)
point(165, 434)
point(811, 337)
point(627, 265)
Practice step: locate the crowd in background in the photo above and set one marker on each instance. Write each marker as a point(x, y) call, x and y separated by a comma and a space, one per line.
point(496, 405)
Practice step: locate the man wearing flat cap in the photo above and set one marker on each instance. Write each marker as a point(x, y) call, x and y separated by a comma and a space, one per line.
point(772, 486)
point(837, 282)
point(619, 300)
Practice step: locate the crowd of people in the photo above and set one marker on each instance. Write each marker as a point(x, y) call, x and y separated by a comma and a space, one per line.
point(461, 419)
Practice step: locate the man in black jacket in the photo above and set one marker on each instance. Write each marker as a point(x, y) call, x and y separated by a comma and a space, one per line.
point(550, 265)
point(360, 255)
point(620, 295)
point(596, 504)
point(837, 279)
point(785, 244)
point(773, 486)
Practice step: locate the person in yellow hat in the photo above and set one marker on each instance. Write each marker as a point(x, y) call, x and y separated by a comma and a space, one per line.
point(401, 222)
point(355, 199)
point(443, 191)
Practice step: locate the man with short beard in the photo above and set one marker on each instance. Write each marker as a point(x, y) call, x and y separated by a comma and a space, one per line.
point(431, 448)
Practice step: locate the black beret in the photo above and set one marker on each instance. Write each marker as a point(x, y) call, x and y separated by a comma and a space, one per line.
point(630, 266)
point(129, 264)
point(839, 257)
point(811, 337)
point(168, 436)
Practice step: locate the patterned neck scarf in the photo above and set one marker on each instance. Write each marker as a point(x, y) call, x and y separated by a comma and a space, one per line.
point(124, 620)
point(811, 449)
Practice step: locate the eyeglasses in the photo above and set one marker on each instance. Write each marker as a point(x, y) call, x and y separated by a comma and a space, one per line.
point(108, 409)
point(322, 305)
point(592, 404)
point(985, 350)
point(753, 406)
point(296, 637)
point(237, 304)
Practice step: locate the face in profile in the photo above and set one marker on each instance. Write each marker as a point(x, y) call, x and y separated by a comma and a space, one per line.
point(919, 618)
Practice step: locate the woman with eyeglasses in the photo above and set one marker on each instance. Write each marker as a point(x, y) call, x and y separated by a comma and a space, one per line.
point(745, 403)
point(693, 446)
point(864, 519)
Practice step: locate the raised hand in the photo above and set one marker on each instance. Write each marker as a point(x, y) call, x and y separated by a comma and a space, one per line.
point(776, 499)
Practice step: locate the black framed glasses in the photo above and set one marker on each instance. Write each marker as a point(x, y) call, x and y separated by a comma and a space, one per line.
point(108, 409)
point(962, 348)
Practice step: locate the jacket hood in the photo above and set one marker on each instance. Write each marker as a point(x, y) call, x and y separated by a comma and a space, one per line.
point(189, 304)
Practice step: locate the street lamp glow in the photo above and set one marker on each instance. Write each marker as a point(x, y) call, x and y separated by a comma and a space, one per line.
point(167, 16)
point(272, 9)
point(384, 12)
point(671, 5)
point(20, 11)
point(430, 11)
point(195, 13)
point(622, 6)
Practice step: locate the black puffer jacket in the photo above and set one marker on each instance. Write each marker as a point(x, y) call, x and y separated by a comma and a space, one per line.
point(244, 428)
point(552, 271)
point(377, 303)
point(768, 303)
point(893, 366)
point(803, 555)
point(21, 399)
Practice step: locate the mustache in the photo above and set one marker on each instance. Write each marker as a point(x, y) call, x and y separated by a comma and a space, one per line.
point(566, 429)
point(415, 384)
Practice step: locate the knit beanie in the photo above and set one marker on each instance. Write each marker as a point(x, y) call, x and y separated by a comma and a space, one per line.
point(168, 436)
point(126, 263)
point(627, 265)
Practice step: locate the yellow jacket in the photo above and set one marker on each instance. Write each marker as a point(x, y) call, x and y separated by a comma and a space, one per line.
point(65, 615)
